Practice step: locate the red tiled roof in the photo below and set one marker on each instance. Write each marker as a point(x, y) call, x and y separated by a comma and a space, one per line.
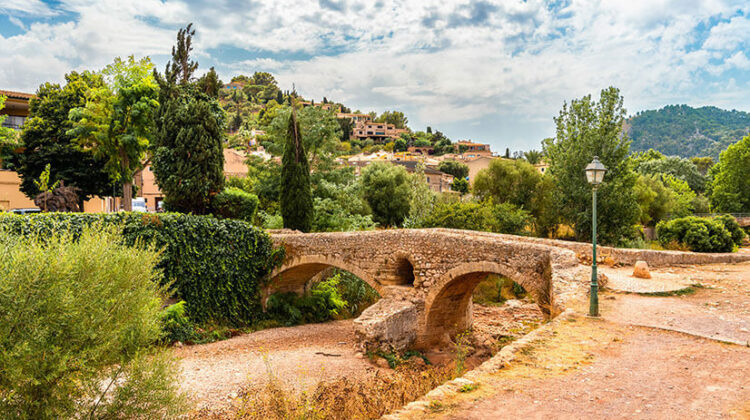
point(16, 95)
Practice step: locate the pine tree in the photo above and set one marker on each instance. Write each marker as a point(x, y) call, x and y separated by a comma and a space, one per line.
point(187, 153)
point(182, 67)
point(296, 194)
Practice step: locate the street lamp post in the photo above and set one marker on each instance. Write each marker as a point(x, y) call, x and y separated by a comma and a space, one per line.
point(595, 174)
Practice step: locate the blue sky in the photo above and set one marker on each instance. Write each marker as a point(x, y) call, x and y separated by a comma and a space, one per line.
point(491, 71)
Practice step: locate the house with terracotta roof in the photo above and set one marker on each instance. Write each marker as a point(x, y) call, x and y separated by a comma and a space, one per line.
point(16, 108)
point(471, 149)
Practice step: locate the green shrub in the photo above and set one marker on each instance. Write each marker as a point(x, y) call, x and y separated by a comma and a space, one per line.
point(321, 303)
point(482, 216)
point(215, 266)
point(234, 203)
point(731, 225)
point(78, 318)
point(695, 233)
point(356, 292)
point(176, 324)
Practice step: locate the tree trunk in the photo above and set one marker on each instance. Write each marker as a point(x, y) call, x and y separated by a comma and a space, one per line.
point(127, 195)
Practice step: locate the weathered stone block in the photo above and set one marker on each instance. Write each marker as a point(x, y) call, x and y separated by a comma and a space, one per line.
point(388, 325)
point(641, 270)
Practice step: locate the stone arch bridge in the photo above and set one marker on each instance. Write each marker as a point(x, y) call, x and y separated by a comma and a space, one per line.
point(425, 277)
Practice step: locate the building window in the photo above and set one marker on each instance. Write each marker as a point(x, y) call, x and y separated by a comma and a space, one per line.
point(14, 121)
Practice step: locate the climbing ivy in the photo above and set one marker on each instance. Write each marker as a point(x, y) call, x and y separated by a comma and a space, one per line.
point(215, 266)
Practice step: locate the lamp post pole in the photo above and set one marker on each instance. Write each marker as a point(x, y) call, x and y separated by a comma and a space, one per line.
point(595, 175)
point(594, 299)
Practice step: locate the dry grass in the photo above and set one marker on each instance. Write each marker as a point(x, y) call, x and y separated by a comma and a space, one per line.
point(342, 398)
point(565, 352)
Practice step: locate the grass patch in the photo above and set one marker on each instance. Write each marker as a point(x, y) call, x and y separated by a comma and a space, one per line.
point(468, 388)
point(679, 292)
point(395, 359)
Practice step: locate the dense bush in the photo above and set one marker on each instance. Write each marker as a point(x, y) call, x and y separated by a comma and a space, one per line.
point(321, 303)
point(482, 216)
point(695, 233)
point(176, 324)
point(734, 229)
point(234, 203)
point(214, 265)
point(78, 319)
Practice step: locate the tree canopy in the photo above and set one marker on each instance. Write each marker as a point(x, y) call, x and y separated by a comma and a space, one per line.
point(46, 140)
point(730, 188)
point(588, 128)
point(387, 190)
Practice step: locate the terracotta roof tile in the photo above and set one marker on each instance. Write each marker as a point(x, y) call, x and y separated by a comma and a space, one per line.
point(16, 95)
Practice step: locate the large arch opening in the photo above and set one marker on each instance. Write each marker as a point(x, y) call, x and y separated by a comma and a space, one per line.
point(450, 308)
point(315, 290)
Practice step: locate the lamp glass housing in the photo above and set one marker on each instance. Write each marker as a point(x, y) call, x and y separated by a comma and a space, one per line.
point(595, 172)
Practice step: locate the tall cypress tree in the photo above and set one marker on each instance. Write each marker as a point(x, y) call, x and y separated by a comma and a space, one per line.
point(296, 194)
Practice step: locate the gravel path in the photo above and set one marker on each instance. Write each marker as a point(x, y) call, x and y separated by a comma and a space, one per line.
point(610, 368)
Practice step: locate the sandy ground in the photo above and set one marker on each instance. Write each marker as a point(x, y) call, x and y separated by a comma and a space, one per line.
point(301, 356)
point(305, 355)
point(610, 368)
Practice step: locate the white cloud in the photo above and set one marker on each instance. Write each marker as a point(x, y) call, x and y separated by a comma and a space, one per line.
point(26, 7)
point(443, 62)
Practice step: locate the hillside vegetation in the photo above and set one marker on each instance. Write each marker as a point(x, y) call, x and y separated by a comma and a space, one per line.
point(686, 131)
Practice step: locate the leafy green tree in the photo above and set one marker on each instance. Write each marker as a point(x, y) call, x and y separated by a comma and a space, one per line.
point(730, 188)
point(683, 197)
point(703, 163)
point(296, 195)
point(187, 152)
point(397, 118)
point(46, 140)
point(400, 145)
point(117, 123)
point(677, 167)
point(519, 183)
point(587, 128)
point(455, 168)
point(320, 132)
point(10, 142)
point(422, 200)
point(461, 185)
point(480, 216)
point(346, 125)
point(338, 200)
point(388, 192)
point(655, 200)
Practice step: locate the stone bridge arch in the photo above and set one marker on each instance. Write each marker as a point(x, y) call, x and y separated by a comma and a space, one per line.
point(295, 272)
point(448, 305)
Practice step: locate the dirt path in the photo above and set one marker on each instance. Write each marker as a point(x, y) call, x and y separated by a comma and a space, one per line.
point(610, 369)
point(302, 356)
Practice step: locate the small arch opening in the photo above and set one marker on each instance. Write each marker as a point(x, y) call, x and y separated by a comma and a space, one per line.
point(405, 272)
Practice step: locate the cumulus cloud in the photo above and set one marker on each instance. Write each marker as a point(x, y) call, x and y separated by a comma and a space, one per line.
point(466, 65)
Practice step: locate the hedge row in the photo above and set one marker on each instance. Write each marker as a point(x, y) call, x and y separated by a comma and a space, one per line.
point(216, 266)
point(720, 234)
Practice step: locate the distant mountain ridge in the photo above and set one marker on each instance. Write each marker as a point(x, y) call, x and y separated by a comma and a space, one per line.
point(685, 131)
